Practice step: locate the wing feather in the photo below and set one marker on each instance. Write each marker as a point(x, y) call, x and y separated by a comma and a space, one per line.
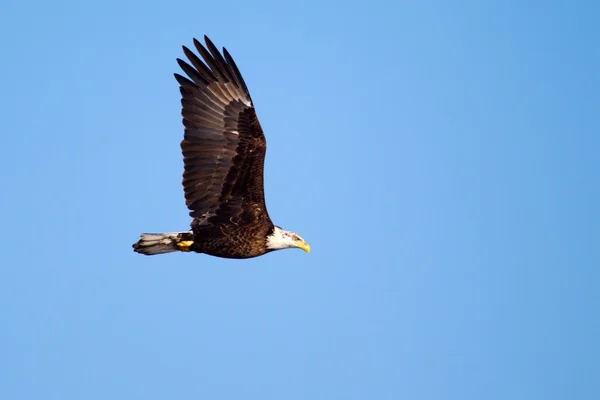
point(219, 60)
point(201, 68)
point(236, 73)
point(210, 61)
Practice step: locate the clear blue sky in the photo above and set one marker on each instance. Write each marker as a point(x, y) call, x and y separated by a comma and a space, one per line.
point(442, 159)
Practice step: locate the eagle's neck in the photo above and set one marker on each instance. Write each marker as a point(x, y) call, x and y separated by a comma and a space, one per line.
point(279, 239)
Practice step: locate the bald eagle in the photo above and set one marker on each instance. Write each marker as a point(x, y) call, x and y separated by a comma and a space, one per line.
point(223, 155)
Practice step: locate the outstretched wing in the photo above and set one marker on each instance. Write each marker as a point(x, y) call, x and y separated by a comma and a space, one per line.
point(224, 146)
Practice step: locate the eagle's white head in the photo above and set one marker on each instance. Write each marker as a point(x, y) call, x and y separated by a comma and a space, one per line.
point(281, 239)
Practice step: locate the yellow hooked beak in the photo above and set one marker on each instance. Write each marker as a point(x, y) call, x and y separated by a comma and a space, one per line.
point(304, 246)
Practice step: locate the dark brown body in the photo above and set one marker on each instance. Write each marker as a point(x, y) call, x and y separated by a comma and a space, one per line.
point(231, 242)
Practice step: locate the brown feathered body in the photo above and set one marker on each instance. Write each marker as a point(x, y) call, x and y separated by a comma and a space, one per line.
point(223, 151)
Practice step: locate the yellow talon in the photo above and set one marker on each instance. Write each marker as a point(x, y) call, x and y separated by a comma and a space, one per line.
point(185, 245)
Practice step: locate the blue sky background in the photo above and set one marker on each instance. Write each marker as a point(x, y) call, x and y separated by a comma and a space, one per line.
point(442, 159)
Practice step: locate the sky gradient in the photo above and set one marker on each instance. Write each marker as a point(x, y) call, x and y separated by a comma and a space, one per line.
point(441, 159)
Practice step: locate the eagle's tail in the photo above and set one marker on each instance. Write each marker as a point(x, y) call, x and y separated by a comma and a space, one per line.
point(160, 243)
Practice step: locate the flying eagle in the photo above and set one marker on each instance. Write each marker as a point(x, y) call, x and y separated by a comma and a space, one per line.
point(223, 154)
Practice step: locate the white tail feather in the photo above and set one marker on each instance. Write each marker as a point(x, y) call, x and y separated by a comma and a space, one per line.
point(158, 243)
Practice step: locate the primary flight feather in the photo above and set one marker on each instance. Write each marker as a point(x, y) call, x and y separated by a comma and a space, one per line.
point(223, 154)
